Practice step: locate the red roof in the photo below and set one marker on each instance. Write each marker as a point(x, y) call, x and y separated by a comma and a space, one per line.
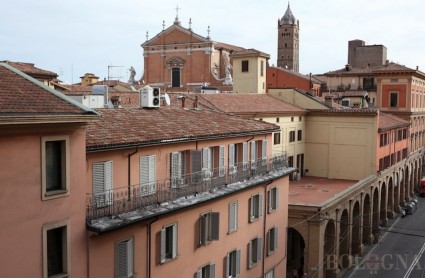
point(249, 104)
point(30, 69)
point(134, 126)
point(388, 121)
point(22, 95)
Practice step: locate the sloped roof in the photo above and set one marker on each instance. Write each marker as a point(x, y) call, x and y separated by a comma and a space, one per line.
point(175, 28)
point(249, 52)
point(388, 121)
point(22, 95)
point(250, 104)
point(30, 69)
point(120, 128)
point(288, 17)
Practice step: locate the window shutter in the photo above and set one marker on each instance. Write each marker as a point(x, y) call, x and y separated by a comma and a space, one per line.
point(245, 156)
point(121, 259)
point(270, 199)
point(251, 209)
point(232, 159)
point(275, 238)
point(176, 171)
point(98, 178)
point(108, 182)
point(199, 273)
point(205, 158)
point(221, 161)
point(215, 225)
point(264, 153)
point(212, 271)
point(152, 174)
point(163, 243)
point(238, 262)
point(144, 175)
point(260, 205)
point(203, 229)
point(250, 258)
point(259, 248)
point(233, 217)
point(253, 155)
point(175, 240)
point(277, 197)
point(197, 165)
point(130, 258)
point(228, 265)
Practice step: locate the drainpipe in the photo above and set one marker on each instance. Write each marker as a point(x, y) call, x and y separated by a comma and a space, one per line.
point(129, 171)
point(264, 229)
point(149, 242)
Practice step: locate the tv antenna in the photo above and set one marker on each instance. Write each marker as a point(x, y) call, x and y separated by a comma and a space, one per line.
point(113, 77)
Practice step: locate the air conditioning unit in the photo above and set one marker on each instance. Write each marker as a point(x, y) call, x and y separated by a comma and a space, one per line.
point(150, 97)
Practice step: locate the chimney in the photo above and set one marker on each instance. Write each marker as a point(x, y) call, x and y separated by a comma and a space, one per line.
point(329, 100)
point(195, 104)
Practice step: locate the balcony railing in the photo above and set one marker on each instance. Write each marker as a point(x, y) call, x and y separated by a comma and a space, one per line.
point(127, 199)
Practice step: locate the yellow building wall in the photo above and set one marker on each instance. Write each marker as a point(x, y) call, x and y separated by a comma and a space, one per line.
point(340, 147)
point(294, 97)
point(251, 81)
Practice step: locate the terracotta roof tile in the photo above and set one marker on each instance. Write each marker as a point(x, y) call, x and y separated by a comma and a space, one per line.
point(21, 94)
point(388, 121)
point(133, 126)
point(30, 69)
point(250, 52)
point(249, 104)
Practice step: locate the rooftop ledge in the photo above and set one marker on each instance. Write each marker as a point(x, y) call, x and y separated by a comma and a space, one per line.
point(119, 213)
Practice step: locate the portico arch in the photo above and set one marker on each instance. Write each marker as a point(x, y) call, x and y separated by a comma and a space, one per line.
point(356, 231)
point(329, 260)
point(366, 219)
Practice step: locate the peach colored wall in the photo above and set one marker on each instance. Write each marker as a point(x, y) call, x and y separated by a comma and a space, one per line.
point(279, 79)
point(190, 255)
point(22, 211)
point(402, 95)
point(120, 158)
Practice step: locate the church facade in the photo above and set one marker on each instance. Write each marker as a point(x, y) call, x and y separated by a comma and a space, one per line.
point(178, 59)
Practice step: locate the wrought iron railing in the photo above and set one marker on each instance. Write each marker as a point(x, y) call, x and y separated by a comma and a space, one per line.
point(127, 199)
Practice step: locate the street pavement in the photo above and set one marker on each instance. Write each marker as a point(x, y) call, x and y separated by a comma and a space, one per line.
point(400, 251)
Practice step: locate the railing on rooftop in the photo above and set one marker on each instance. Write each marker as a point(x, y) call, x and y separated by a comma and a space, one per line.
point(127, 199)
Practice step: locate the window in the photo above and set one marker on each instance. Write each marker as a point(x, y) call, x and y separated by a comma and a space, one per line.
point(233, 262)
point(255, 207)
point(254, 251)
point(209, 227)
point(270, 274)
point(291, 161)
point(292, 119)
point(245, 66)
point(56, 249)
point(292, 136)
point(168, 243)
point(232, 159)
point(207, 163)
point(221, 161)
point(277, 120)
point(233, 216)
point(55, 167)
point(147, 175)
point(273, 199)
point(276, 138)
point(393, 99)
point(177, 168)
point(272, 240)
point(124, 258)
point(253, 154)
point(300, 135)
point(262, 68)
point(102, 183)
point(244, 156)
point(207, 271)
point(345, 102)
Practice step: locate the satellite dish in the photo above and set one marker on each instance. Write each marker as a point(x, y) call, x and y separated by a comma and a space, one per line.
point(166, 97)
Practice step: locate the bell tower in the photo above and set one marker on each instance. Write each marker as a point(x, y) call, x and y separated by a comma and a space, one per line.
point(288, 41)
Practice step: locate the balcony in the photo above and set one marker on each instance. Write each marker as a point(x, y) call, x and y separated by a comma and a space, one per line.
point(160, 195)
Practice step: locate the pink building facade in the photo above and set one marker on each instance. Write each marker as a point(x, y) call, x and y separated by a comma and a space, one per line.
point(42, 146)
point(192, 202)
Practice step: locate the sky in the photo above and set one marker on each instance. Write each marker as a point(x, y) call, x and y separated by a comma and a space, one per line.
point(104, 36)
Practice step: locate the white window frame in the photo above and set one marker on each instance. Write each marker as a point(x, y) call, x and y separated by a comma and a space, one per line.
point(124, 258)
point(232, 167)
point(233, 217)
point(165, 240)
point(147, 175)
point(66, 247)
point(103, 179)
point(255, 247)
point(233, 263)
point(255, 207)
point(207, 163)
point(244, 156)
point(253, 155)
point(206, 271)
point(221, 171)
point(264, 153)
point(272, 240)
point(65, 169)
point(176, 169)
point(270, 273)
point(209, 227)
point(273, 199)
